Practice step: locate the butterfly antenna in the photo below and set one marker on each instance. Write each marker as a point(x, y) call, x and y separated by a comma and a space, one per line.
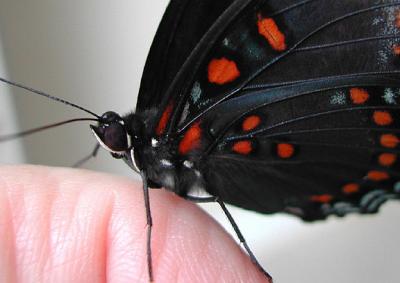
point(48, 96)
point(42, 128)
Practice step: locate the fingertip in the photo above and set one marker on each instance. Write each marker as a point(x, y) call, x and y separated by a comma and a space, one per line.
point(197, 249)
point(93, 226)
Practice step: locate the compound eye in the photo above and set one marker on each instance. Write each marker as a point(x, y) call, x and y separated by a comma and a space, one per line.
point(112, 137)
point(115, 137)
point(110, 117)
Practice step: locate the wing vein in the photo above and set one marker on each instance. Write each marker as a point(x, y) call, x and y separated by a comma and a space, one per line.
point(269, 64)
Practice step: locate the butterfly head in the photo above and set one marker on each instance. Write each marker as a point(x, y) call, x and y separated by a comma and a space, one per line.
point(118, 135)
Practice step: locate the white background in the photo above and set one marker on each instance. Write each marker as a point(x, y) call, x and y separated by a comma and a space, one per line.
point(92, 53)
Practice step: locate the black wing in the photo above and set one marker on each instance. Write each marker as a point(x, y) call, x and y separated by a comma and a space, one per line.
point(293, 106)
point(182, 26)
point(317, 153)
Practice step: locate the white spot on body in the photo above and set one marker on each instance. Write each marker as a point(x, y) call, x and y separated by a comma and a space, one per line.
point(188, 164)
point(154, 142)
point(166, 162)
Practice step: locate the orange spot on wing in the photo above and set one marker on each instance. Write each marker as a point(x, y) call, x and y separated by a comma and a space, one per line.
point(250, 123)
point(321, 198)
point(351, 188)
point(396, 49)
point(191, 139)
point(382, 118)
point(285, 150)
point(162, 124)
point(377, 176)
point(389, 140)
point(242, 147)
point(387, 159)
point(358, 95)
point(397, 20)
point(268, 28)
point(222, 71)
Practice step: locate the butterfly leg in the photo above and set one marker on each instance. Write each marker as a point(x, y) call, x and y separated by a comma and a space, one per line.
point(234, 225)
point(242, 239)
point(149, 224)
point(88, 157)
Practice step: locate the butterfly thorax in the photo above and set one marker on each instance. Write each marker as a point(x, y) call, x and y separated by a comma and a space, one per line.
point(164, 168)
point(128, 138)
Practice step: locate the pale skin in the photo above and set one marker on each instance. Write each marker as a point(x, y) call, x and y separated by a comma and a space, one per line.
point(66, 225)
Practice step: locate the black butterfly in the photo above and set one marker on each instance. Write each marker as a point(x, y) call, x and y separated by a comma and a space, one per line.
point(270, 105)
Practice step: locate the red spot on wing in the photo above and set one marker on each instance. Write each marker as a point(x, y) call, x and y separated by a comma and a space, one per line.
point(222, 71)
point(351, 188)
point(358, 95)
point(250, 123)
point(375, 175)
point(387, 159)
point(397, 20)
point(396, 49)
point(382, 118)
point(162, 124)
point(321, 198)
point(389, 140)
point(191, 139)
point(285, 150)
point(242, 147)
point(269, 29)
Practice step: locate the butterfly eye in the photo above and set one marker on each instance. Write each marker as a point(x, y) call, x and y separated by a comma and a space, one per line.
point(115, 137)
point(112, 137)
point(110, 117)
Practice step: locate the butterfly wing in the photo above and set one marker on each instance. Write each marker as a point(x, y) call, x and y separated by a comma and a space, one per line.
point(321, 152)
point(177, 35)
point(292, 106)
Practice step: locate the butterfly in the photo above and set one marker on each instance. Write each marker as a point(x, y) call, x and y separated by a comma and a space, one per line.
point(272, 106)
